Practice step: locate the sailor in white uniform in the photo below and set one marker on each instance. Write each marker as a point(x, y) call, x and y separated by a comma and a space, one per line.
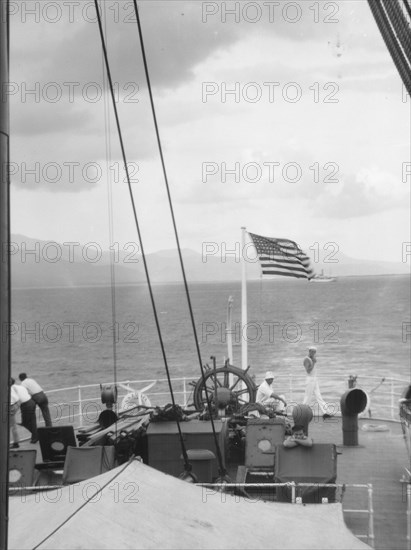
point(312, 389)
point(267, 397)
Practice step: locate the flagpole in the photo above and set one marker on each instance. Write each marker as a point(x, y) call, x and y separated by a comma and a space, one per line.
point(244, 358)
point(229, 331)
point(5, 292)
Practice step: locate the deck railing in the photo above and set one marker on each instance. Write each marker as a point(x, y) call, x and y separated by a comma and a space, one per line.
point(369, 511)
point(220, 488)
point(81, 405)
point(409, 515)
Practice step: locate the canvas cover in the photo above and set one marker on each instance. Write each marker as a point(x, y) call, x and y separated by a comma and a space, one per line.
point(136, 507)
point(316, 464)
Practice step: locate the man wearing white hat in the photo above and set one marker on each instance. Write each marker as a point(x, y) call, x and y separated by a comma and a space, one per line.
point(267, 397)
point(312, 389)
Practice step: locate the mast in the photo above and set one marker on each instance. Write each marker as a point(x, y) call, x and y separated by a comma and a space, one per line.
point(243, 332)
point(5, 354)
point(229, 331)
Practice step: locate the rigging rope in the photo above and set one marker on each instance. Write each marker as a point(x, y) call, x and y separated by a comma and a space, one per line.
point(143, 53)
point(399, 21)
point(98, 492)
point(110, 217)
point(395, 30)
point(5, 276)
point(187, 465)
point(407, 7)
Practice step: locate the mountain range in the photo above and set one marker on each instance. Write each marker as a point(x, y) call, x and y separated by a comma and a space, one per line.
point(41, 264)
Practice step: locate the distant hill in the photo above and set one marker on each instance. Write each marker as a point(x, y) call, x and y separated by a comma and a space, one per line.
point(37, 263)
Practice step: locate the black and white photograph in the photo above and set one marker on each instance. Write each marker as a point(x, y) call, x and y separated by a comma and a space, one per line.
point(205, 293)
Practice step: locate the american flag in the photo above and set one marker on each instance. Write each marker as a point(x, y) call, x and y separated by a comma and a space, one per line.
point(282, 257)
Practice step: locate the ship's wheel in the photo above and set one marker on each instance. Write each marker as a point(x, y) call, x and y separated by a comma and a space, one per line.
point(228, 387)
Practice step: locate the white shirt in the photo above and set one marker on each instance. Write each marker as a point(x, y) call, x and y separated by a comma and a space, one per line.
point(14, 396)
point(313, 372)
point(32, 386)
point(22, 393)
point(264, 392)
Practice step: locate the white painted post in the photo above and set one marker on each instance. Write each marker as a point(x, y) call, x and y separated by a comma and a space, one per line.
point(409, 516)
point(392, 401)
point(293, 492)
point(80, 406)
point(244, 350)
point(370, 517)
point(229, 331)
point(185, 392)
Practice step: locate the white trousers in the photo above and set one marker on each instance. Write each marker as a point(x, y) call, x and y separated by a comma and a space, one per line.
point(313, 395)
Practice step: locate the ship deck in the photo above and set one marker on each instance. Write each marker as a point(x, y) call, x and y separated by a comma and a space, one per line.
point(379, 459)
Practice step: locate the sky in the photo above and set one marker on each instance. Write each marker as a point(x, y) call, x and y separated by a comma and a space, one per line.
point(287, 118)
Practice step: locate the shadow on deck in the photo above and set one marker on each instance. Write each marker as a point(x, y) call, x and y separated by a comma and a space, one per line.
point(379, 458)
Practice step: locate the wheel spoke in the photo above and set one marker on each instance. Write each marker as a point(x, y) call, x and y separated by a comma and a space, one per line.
point(243, 401)
point(234, 385)
point(241, 392)
point(227, 379)
point(218, 381)
point(210, 389)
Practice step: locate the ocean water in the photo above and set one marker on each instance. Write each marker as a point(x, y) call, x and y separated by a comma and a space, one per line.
point(65, 337)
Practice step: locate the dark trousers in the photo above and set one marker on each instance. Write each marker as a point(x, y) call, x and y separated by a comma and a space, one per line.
point(13, 422)
point(28, 418)
point(42, 401)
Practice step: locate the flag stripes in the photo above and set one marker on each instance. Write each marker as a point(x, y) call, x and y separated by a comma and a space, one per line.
point(282, 257)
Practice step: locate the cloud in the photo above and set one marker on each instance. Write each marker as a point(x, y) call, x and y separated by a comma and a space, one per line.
point(369, 192)
point(57, 88)
point(365, 133)
point(175, 38)
point(184, 47)
point(45, 119)
point(47, 140)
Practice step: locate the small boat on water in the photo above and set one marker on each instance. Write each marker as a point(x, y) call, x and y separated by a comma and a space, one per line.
point(321, 278)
